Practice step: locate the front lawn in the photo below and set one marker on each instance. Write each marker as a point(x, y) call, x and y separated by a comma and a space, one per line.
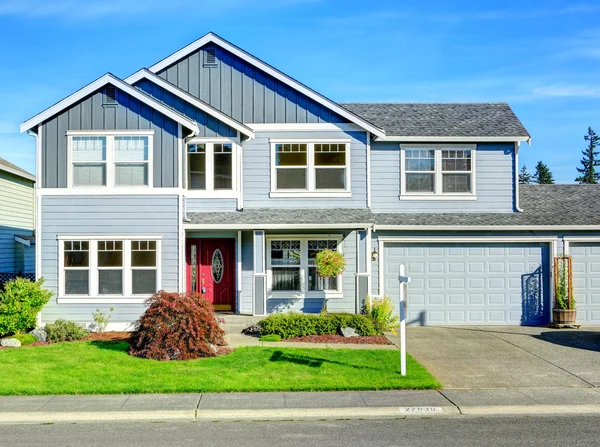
point(104, 367)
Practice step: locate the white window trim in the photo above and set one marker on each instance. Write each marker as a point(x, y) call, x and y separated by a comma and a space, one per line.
point(110, 159)
point(210, 192)
point(304, 293)
point(438, 194)
point(311, 191)
point(94, 297)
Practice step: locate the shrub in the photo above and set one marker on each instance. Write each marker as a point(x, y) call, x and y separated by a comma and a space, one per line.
point(177, 327)
point(382, 313)
point(64, 330)
point(270, 337)
point(20, 302)
point(290, 325)
point(101, 319)
point(25, 339)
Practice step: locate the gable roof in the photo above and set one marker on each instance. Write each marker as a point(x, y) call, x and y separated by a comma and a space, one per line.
point(145, 74)
point(108, 78)
point(443, 121)
point(215, 39)
point(7, 166)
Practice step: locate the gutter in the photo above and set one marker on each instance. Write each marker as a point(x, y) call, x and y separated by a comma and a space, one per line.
point(287, 226)
point(377, 227)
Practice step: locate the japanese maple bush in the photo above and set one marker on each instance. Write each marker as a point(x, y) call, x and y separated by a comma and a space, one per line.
point(177, 327)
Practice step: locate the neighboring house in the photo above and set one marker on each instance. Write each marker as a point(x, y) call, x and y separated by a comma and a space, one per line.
point(213, 171)
point(17, 241)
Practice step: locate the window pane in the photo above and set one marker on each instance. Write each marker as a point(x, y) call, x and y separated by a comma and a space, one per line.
point(110, 259)
point(315, 282)
point(286, 278)
point(330, 154)
point(143, 258)
point(456, 182)
point(76, 282)
point(143, 281)
point(131, 174)
point(110, 282)
point(419, 182)
point(285, 253)
point(197, 169)
point(459, 160)
point(223, 166)
point(89, 149)
point(77, 259)
point(131, 148)
point(93, 174)
point(419, 160)
point(330, 178)
point(291, 178)
point(290, 154)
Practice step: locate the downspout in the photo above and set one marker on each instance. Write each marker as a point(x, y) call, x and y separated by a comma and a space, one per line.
point(516, 180)
point(194, 133)
point(37, 212)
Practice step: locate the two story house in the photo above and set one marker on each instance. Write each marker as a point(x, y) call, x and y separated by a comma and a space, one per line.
point(212, 171)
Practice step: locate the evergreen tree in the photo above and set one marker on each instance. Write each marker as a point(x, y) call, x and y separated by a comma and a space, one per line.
point(542, 175)
point(525, 176)
point(590, 160)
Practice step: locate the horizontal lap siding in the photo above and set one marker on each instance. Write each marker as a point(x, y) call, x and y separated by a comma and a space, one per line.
point(257, 172)
point(198, 205)
point(90, 114)
point(244, 92)
point(107, 215)
point(494, 182)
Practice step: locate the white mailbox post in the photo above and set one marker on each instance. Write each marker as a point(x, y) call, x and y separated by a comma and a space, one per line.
point(404, 280)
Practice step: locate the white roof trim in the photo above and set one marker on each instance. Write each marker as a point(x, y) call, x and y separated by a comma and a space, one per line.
point(25, 242)
point(401, 138)
point(108, 78)
point(486, 227)
point(213, 38)
point(145, 74)
point(25, 175)
point(267, 226)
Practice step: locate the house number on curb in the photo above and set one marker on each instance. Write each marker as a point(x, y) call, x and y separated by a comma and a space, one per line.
point(420, 409)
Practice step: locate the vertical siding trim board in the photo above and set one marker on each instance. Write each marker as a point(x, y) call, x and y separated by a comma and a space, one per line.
point(239, 287)
point(259, 274)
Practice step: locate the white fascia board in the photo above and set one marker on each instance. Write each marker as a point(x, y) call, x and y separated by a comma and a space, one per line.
point(18, 173)
point(358, 226)
point(213, 38)
point(108, 78)
point(145, 74)
point(464, 239)
point(304, 127)
point(486, 227)
point(425, 139)
point(22, 241)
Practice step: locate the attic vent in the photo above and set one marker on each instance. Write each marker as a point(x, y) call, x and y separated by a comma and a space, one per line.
point(210, 57)
point(110, 95)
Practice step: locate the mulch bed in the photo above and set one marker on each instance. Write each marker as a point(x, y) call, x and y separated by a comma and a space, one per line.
point(370, 340)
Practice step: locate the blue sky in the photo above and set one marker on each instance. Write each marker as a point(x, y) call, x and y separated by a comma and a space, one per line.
point(543, 57)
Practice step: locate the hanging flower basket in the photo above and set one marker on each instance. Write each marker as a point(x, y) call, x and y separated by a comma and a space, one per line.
point(330, 263)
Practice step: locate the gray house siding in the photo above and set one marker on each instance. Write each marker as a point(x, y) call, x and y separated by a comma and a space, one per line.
point(107, 215)
point(194, 204)
point(257, 172)
point(494, 182)
point(91, 114)
point(244, 92)
point(209, 126)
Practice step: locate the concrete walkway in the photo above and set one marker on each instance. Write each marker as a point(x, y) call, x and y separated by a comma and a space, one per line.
point(298, 406)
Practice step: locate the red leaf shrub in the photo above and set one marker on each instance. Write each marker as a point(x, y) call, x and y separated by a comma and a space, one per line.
point(177, 327)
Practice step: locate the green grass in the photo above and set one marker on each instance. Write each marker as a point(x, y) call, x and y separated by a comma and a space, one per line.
point(25, 339)
point(96, 367)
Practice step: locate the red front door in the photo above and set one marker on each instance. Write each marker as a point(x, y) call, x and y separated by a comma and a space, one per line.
point(211, 270)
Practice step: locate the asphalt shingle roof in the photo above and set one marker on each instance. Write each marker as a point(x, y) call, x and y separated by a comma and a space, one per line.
point(543, 205)
point(14, 168)
point(442, 119)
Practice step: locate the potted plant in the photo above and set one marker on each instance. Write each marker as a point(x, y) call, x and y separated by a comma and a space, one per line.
point(564, 305)
point(330, 263)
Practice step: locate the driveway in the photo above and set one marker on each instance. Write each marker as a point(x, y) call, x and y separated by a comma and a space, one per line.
point(508, 356)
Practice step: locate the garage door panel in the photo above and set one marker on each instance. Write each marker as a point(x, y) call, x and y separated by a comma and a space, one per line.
point(586, 281)
point(472, 283)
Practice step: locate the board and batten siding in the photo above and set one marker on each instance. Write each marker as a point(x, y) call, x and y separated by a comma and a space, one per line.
point(107, 215)
point(90, 114)
point(494, 172)
point(244, 92)
point(17, 198)
point(256, 155)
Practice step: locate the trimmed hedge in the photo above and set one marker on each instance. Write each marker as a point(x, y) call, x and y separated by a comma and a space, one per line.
point(20, 302)
point(288, 325)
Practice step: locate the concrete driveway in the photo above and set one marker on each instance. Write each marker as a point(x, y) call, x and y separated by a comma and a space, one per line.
point(508, 356)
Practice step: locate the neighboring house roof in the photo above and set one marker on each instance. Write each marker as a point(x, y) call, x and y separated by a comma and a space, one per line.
point(349, 114)
point(109, 78)
point(7, 166)
point(544, 206)
point(449, 121)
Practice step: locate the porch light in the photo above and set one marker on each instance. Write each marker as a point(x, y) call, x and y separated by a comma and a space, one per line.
point(374, 255)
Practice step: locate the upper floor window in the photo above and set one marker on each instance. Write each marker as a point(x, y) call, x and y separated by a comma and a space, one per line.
point(317, 168)
point(437, 172)
point(211, 166)
point(121, 159)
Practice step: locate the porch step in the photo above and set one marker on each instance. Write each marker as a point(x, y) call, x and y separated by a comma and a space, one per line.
point(235, 323)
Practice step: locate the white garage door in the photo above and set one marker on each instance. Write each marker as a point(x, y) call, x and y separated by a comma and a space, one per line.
point(478, 284)
point(586, 281)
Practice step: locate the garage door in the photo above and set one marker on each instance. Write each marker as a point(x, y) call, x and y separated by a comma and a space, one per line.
point(478, 284)
point(586, 281)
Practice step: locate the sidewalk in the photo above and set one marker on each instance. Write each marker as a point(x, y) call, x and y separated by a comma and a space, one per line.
point(299, 406)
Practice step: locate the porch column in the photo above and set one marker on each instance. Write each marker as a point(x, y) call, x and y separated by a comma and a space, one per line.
point(259, 276)
point(363, 259)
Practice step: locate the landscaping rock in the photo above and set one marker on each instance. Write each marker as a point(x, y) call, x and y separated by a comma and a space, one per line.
point(40, 334)
point(348, 332)
point(10, 343)
point(251, 329)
